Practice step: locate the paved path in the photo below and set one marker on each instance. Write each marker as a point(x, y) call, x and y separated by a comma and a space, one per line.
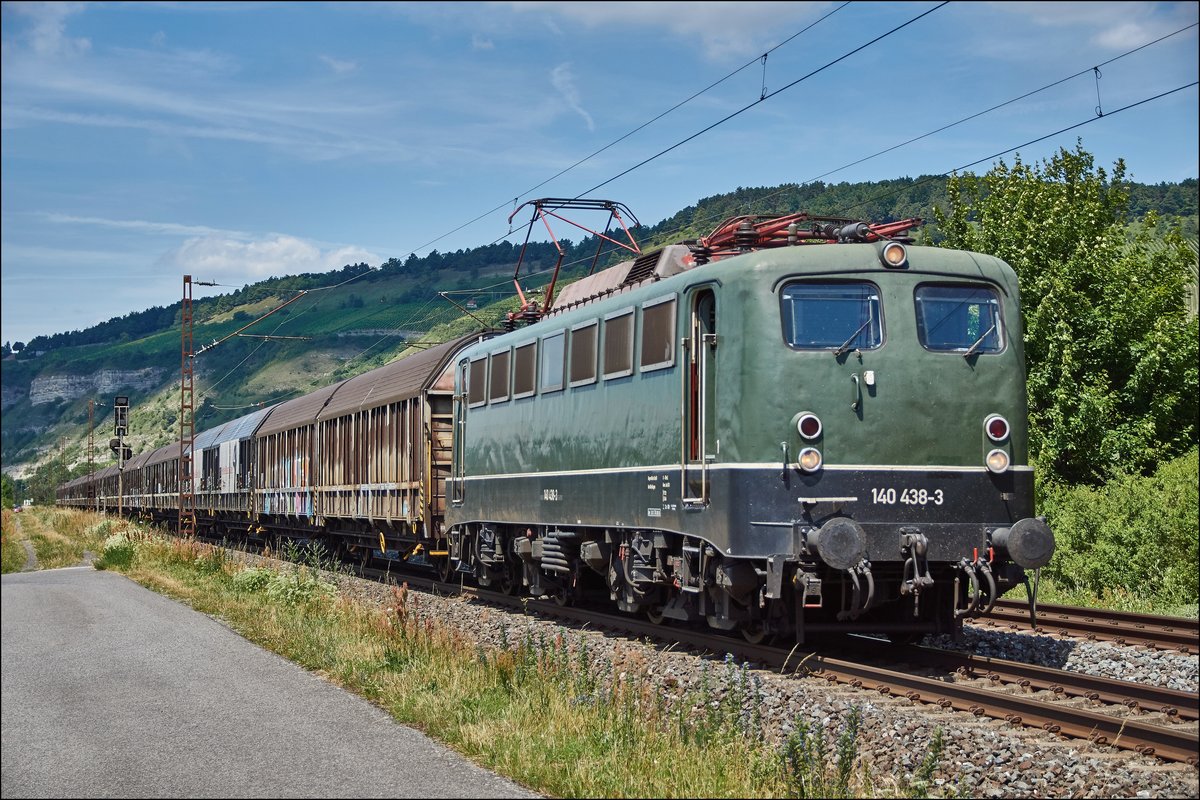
point(111, 690)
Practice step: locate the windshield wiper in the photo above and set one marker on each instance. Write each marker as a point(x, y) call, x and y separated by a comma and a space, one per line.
point(971, 350)
point(846, 344)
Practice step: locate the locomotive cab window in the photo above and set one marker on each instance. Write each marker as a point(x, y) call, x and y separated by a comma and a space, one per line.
point(829, 315)
point(959, 319)
point(553, 362)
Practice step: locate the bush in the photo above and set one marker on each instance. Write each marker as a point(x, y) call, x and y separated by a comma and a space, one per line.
point(1133, 534)
point(252, 580)
point(293, 587)
point(119, 552)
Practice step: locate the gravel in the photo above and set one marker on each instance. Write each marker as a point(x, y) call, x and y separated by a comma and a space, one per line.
point(980, 758)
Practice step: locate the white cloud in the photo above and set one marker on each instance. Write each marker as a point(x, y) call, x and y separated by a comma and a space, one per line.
point(47, 31)
point(479, 42)
point(720, 30)
point(147, 226)
point(564, 82)
point(221, 258)
point(338, 66)
point(1114, 26)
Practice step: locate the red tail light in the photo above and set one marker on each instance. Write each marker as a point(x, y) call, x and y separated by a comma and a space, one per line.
point(996, 427)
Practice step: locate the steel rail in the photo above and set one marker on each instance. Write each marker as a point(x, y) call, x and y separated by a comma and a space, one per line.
point(1138, 697)
point(1120, 627)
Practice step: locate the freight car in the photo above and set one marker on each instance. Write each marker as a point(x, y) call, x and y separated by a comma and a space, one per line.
point(792, 426)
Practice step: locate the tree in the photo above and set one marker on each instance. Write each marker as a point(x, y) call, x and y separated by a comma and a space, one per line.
point(1110, 351)
point(44, 483)
point(8, 492)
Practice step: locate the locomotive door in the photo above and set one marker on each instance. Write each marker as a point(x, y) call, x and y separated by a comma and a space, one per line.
point(699, 393)
point(458, 467)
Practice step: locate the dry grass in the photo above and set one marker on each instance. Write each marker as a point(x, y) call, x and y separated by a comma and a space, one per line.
point(544, 713)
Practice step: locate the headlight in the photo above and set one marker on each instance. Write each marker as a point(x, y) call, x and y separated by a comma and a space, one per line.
point(809, 459)
point(894, 255)
point(997, 461)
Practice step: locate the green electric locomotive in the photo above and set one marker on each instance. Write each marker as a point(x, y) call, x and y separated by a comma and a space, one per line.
point(792, 426)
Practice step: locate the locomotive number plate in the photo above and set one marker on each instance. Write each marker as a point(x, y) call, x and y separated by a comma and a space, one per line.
point(908, 497)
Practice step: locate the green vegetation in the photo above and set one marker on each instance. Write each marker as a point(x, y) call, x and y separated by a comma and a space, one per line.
point(546, 713)
point(1112, 354)
point(12, 552)
point(60, 536)
point(1131, 542)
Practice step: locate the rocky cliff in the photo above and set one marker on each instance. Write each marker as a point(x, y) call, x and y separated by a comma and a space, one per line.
point(48, 388)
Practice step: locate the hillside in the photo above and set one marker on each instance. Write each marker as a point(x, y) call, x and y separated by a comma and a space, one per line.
point(352, 319)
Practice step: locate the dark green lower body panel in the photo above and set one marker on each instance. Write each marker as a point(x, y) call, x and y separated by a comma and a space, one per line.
point(756, 512)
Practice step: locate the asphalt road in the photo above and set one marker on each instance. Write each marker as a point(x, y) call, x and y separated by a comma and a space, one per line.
point(111, 690)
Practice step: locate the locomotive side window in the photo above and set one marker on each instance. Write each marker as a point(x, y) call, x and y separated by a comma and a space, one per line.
point(583, 354)
point(838, 316)
point(477, 382)
point(553, 362)
point(959, 319)
point(498, 388)
point(658, 334)
point(524, 370)
point(618, 344)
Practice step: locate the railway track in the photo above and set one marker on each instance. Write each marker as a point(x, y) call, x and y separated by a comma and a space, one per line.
point(1094, 624)
point(1150, 720)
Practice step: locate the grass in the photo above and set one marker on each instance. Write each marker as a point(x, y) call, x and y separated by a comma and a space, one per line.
point(1115, 599)
point(546, 713)
point(11, 536)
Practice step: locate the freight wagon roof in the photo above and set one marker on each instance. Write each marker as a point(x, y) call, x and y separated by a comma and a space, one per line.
point(106, 472)
point(242, 427)
point(139, 460)
point(164, 453)
point(403, 378)
point(298, 412)
point(207, 438)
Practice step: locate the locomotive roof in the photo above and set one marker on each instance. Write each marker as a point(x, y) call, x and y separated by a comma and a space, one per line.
point(401, 379)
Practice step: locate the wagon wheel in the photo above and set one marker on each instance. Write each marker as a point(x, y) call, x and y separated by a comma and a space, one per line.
point(655, 614)
point(445, 568)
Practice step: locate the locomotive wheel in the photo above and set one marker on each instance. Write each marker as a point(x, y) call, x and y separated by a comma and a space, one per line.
point(655, 614)
point(754, 633)
point(510, 578)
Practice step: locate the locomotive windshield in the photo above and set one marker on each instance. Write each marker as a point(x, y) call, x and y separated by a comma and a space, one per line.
point(841, 316)
point(959, 319)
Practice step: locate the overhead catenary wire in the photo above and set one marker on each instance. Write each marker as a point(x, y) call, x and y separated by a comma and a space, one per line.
point(410, 320)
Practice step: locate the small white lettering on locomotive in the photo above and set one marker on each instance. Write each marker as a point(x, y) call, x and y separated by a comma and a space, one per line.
point(653, 512)
point(551, 495)
point(908, 497)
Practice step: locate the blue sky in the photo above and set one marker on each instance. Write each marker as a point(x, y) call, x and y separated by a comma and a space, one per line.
point(235, 141)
